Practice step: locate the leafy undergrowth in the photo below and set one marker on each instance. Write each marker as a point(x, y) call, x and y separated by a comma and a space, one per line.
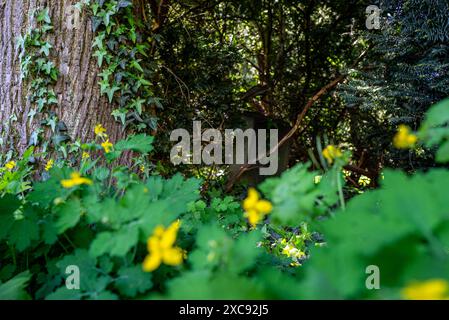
point(143, 236)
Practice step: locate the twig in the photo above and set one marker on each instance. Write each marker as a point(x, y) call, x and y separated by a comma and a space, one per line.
point(331, 85)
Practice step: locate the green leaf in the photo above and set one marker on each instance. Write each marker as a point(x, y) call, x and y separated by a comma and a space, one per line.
point(119, 114)
point(442, 155)
point(68, 215)
point(116, 243)
point(45, 192)
point(132, 281)
point(44, 16)
point(111, 91)
point(14, 289)
point(45, 49)
point(24, 232)
point(437, 115)
point(98, 41)
point(92, 280)
point(136, 65)
point(49, 233)
point(398, 220)
point(297, 202)
point(140, 143)
point(137, 104)
point(8, 204)
point(101, 173)
point(100, 54)
point(63, 293)
point(123, 4)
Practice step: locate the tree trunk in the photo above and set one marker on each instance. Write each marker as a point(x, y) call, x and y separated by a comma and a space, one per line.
point(80, 105)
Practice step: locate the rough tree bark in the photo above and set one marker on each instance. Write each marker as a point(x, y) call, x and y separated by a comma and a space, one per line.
point(80, 105)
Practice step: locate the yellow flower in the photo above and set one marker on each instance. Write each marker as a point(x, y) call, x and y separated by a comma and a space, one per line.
point(364, 181)
point(404, 139)
point(85, 155)
point(100, 131)
point(75, 180)
point(292, 252)
point(331, 153)
point(49, 164)
point(107, 146)
point(10, 165)
point(161, 248)
point(256, 209)
point(142, 168)
point(433, 289)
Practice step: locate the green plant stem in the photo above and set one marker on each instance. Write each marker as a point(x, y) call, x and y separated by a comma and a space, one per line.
point(340, 191)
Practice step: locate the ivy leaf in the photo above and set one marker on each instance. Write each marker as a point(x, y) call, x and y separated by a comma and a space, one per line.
point(98, 41)
point(121, 114)
point(133, 35)
point(41, 102)
point(44, 16)
point(54, 74)
point(45, 49)
point(144, 82)
point(136, 65)
point(20, 42)
point(153, 123)
point(107, 18)
point(110, 92)
point(137, 104)
point(123, 4)
point(79, 6)
point(157, 102)
point(100, 54)
point(104, 85)
point(96, 21)
point(47, 67)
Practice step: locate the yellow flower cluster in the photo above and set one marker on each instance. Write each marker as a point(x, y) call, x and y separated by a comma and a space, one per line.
point(75, 180)
point(85, 155)
point(255, 208)
point(404, 139)
point(107, 146)
point(161, 248)
point(434, 289)
point(364, 181)
point(10, 165)
point(100, 132)
point(49, 164)
point(331, 153)
point(293, 252)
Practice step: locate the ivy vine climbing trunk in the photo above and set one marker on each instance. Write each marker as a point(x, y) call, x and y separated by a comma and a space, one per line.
point(80, 106)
